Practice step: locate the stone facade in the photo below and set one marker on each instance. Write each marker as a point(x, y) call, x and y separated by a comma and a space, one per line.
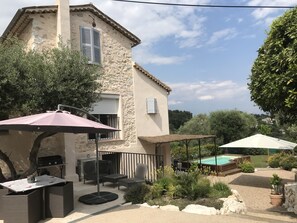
point(39, 29)
point(116, 63)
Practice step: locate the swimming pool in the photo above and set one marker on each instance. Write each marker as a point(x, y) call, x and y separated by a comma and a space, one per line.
point(221, 160)
point(225, 163)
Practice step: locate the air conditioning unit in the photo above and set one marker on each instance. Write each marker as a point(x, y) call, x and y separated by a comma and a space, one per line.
point(151, 105)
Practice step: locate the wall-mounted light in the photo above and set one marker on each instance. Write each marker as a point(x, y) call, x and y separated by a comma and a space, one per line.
point(93, 22)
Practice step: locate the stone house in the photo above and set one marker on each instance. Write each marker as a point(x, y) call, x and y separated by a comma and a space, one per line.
point(132, 99)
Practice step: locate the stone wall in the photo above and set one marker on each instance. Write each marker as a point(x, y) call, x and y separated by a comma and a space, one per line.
point(117, 78)
point(41, 32)
point(116, 62)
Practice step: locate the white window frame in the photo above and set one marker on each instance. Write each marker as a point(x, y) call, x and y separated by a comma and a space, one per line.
point(91, 45)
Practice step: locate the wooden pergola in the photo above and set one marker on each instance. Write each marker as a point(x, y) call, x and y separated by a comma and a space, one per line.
point(158, 140)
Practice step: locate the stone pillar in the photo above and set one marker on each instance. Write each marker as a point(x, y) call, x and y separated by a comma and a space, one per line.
point(63, 21)
point(291, 197)
point(166, 154)
point(70, 157)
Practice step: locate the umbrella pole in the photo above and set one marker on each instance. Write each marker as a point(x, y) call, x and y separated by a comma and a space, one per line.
point(97, 163)
point(98, 197)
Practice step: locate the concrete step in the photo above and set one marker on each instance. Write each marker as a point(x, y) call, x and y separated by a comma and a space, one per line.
point(268, 216)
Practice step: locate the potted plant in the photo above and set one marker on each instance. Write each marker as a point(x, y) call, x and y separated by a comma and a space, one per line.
point(276, 196)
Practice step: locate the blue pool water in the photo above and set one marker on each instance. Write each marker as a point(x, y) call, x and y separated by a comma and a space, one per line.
point(221, 160)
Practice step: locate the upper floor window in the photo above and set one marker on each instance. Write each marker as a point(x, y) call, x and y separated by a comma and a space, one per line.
point(90, 44)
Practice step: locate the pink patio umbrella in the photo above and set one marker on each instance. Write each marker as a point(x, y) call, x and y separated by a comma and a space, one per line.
point(62, 121)
point(55, 121)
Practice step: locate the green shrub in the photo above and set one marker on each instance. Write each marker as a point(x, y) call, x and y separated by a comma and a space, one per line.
point(156, 191)
point(137, 194)
point(205, 170)
point(220, 189)
point(163, 186)
point(274, 160)
point(247, 167)
point(192, 186)
point(288, 162)
point(200, 189)
point(185, 182)
point(181, 189)
point(168, 171)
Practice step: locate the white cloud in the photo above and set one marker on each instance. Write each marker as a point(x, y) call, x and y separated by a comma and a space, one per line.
point(225, 34)
point(262, 14)
point(145, 55)
point(206, 97)
point(207, 91)
point(173, 102)
point(153, 24)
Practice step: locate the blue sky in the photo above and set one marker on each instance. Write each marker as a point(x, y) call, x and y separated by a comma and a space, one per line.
point(204, 54)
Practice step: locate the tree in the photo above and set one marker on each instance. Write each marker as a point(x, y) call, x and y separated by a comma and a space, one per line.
point(199, 124)
point(232, 125)
point(178, 118)
point(273, 81)
point(35, 81)
point(12, 76)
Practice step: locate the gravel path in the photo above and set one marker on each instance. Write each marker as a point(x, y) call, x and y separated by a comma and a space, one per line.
point(254, 187)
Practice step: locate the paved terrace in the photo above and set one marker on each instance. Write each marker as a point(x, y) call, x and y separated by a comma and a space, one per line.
point(254, 188)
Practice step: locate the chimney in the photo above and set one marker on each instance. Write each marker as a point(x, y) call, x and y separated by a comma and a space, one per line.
point(63, 21)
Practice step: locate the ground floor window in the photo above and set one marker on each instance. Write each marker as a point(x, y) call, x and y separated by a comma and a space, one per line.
point(107, 119)
point(106, 110)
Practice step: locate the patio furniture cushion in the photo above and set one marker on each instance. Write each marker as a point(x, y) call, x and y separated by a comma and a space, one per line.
point(89, 168)
point(113, 178)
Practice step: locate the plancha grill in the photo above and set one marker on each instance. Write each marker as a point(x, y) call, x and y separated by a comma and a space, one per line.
point(49, 160)
point(45, 162)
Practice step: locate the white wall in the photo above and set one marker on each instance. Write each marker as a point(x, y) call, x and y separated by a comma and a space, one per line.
point(151, 124)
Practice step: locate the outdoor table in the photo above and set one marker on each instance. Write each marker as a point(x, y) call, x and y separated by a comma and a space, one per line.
point(21, 188)
point(40, 182)
point(113, 178)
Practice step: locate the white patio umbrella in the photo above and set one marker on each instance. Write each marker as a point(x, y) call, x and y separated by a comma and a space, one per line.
point(261, 141)
point(62, 121)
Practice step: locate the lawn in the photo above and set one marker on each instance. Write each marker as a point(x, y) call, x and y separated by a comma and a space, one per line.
point(259, 160)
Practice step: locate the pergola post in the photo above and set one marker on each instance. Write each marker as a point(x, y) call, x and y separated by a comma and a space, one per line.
point(215, 150)
point(157, 147)
point(199, 143)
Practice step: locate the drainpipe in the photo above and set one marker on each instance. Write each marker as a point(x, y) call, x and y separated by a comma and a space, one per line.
point(63, 22)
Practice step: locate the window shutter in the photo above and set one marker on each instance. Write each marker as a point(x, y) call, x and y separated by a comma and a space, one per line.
point(96, 46)
point(86, 44)
point(151, 105)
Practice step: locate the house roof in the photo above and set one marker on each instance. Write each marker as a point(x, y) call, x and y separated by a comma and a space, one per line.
point(152, 77)
point(21, 19)
point(173, 138)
